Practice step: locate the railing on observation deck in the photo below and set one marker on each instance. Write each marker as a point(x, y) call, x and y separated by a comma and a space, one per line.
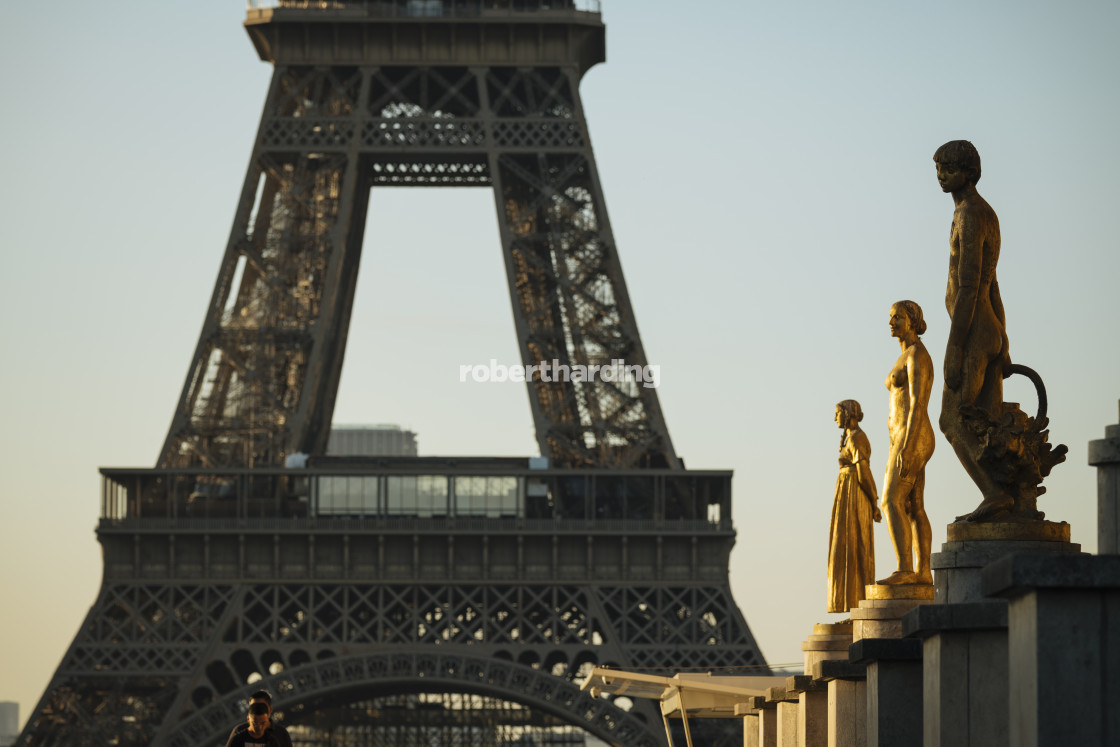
point(434, 8)
point(428, 496)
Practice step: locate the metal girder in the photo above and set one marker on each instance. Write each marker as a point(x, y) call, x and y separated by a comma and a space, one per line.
point(265, 373)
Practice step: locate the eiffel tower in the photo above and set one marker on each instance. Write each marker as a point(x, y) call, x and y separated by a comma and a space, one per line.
point(404, 601)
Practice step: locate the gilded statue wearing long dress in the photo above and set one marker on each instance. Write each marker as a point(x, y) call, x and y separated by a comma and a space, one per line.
point(851, 543)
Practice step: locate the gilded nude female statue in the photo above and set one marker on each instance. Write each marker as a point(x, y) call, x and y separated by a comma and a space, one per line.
point(851, 544)
point(912, 442)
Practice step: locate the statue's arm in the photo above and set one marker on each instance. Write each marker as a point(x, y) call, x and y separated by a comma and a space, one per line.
point(997, 302)
point(919, 381)
point(863, 473)
point(970, 258)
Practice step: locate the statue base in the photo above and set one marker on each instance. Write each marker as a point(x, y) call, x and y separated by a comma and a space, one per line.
point(880, 614)
point(973, 545)
point(828, 642)
point(1029, 531)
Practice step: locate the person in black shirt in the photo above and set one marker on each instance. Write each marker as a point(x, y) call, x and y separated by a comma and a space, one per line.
point(263, 696)
point(258, 730)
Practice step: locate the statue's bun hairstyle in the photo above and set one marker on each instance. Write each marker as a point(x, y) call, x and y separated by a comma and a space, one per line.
point(852, 409)
point(914, 311)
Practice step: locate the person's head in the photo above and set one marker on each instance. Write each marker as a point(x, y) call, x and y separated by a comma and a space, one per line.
point(957, 156)
point(847, 412)
point(259, 718)
point(907, 314)
point(262, 696)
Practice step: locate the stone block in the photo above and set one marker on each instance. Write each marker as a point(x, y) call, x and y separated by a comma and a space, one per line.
point(1013, 575)
point(768, 726)
point(894, 612)
point(787, 724)
point(828, 641)
point(831, 629)
point(812, 725)
point(871, 650)
point(847, 713)
point(894, 690)
point(750, 730)
point(881, 618)
point(890, 627)
point(841, 670)
point(930, 619)
point(1104, 454)
point(957, 568)
point(825, 643)
point(800, 683)
point(1063, 660)
point(1014, 531)
point(779, 694)
point(964, 673)
point(965, 688)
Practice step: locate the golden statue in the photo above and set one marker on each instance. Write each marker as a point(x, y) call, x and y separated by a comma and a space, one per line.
point(851, 544)
point(912, 443)
point(1004, 451)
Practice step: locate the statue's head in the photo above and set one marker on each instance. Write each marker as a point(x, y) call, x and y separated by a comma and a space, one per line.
point(849, 410)
point(961, 155)
point(913, 312)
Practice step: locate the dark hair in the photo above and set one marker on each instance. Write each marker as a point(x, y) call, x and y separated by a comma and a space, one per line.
point(914, 312)
point(962, 154)
point(261, 695)
point(258, 709)
point(851, 408)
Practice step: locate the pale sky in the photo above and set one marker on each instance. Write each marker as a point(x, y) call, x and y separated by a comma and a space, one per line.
point(767, 170)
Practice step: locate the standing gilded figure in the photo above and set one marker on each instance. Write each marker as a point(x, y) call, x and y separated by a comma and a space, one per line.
point(912, 442)
point(1004, 451)
point(851, 544)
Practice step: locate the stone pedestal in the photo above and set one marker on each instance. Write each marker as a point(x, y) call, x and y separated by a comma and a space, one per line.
point(826, 643)
point(785, 703)
point(1104, 454)
point(894, 690)
point(812, 710)
point(767, 722)
point(964, 673)
point(750, 730)
point(847, 703)
point(970, 547)
point(880, 614)
point(1063, 657)
point(787, 724)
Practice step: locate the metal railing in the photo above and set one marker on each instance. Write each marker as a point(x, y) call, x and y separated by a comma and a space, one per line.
point(434, 8)
point(432, 492)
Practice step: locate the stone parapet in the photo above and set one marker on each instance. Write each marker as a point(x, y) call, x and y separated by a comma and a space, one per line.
point(930, 619)
point(841, 669)
point(1104, 454)
point(1016, 575)
point(894, 690)
point(1063, 661)
point(964, 673)
point(956, 569)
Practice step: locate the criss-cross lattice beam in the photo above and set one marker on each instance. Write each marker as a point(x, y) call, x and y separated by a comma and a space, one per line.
point(264, 376)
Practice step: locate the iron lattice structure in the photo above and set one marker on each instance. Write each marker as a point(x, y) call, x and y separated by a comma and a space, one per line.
point(360, 592)
point(357, 100)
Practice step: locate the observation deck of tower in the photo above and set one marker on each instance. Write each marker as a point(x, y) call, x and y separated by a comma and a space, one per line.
point(404, 600)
